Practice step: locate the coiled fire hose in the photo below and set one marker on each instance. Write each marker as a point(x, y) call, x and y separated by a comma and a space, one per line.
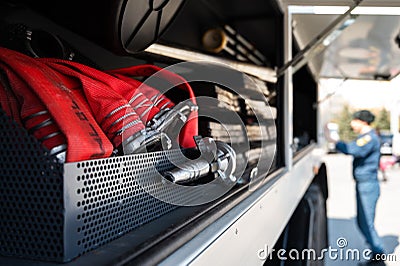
point(81, 113)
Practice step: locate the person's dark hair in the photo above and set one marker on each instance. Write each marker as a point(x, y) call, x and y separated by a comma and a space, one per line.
point(364, 115)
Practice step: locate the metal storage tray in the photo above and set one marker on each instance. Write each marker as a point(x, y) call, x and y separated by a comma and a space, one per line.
point(56, 212)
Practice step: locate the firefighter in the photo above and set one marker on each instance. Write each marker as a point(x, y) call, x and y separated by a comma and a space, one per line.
point(365, 150)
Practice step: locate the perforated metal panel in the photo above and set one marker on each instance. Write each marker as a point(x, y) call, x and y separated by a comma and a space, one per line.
point(106, 200)
point(53, 211)
point(31, 198)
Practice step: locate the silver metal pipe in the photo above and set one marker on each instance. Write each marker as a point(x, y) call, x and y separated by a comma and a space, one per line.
point(224, 164)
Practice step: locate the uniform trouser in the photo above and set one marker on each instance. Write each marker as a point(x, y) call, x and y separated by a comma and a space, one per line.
point(367, 193)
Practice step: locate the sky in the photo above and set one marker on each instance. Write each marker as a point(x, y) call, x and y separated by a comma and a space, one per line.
point(363, 94)
point(334, 93)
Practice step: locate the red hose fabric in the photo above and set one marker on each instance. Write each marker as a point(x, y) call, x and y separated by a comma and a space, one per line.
point(111, 110)
point(64, 103)
point(85, 139)
point(190, 129)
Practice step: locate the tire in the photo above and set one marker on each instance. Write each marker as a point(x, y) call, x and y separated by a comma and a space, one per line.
point(305, 236)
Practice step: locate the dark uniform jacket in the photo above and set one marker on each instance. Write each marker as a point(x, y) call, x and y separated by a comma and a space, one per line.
point(366, 152)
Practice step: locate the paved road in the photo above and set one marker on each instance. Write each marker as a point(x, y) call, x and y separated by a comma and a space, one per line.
point(341, 209)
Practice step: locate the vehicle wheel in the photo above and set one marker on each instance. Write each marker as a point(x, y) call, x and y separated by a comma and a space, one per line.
point(305, 236)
